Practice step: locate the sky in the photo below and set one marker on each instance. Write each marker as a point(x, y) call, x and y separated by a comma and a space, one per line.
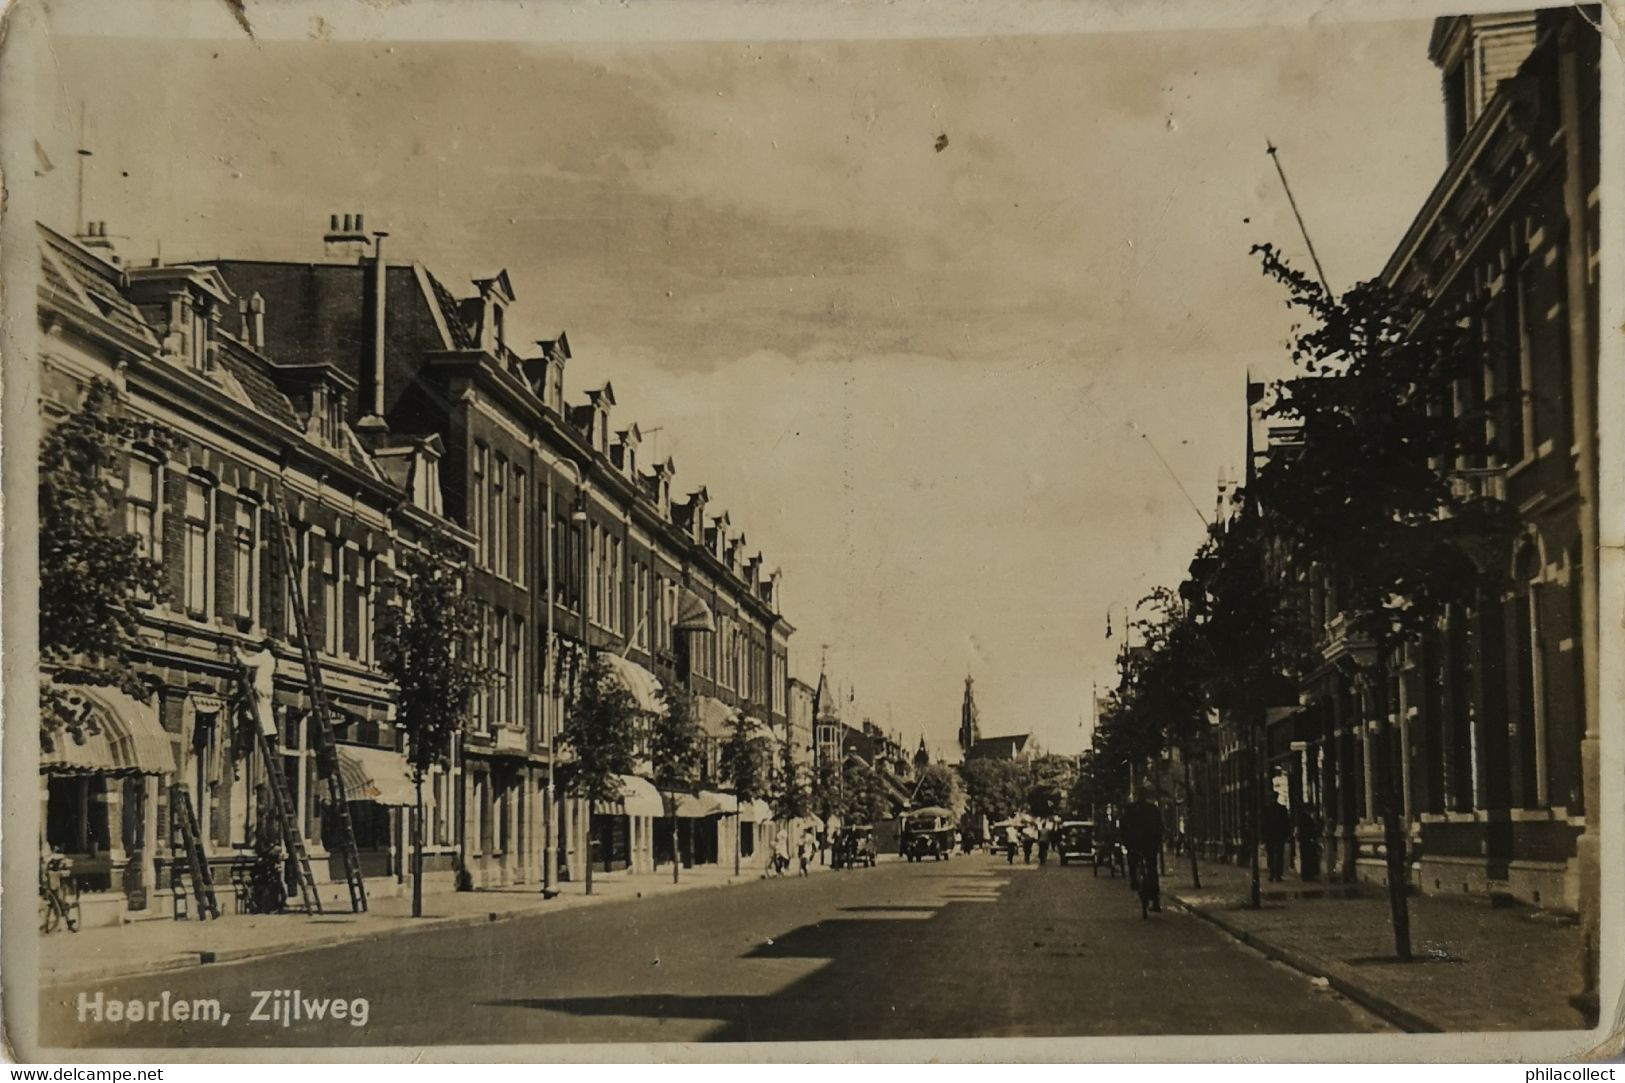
point(964, 397)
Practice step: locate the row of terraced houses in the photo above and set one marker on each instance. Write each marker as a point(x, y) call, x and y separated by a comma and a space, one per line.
point(380, 406)
point(1493, 730)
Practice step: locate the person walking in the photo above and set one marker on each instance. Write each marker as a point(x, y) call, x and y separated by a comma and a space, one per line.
point(1276, 829)
point(1308, 844)
point(1026, 845)
point(1009, 845)
point(1046, 836)
point(805, 854)
point(781, 852)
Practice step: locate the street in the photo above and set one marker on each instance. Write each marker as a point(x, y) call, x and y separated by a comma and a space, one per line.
point(963, 948)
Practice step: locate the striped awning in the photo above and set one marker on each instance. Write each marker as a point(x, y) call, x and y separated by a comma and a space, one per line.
point(638, 798)
point(643, 685)
point(716, 718)
point(104, 731)
point(379, 775)
point(693, 614)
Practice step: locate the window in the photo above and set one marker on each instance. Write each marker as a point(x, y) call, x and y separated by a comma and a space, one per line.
point(199, 563)
point(332, 603)
point(517, 562)
point(242, 560)
point(499, 517)
point(364, 608)
point(141, 511)
point(617, 588)
point(499, 712)
point(640, 618)
point(478, 504)
point(300, 560)
point(1521, 439)
point(516, 671)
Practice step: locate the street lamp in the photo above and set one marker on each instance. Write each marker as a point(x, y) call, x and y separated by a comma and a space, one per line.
point(578, 514)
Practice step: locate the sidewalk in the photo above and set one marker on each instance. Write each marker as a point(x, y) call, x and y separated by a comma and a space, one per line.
point(1476, 966)
point(148, 947)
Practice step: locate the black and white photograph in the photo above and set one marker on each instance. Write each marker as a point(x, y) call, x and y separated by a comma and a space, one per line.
point(833, 532)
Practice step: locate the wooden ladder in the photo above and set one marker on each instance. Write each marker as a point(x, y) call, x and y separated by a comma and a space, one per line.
point(326, 744)
point(180, 810)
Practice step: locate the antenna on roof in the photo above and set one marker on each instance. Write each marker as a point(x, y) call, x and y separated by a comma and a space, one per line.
point(1275, 156)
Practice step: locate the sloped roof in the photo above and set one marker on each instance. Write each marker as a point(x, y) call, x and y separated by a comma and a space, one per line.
point(261, 393)
point(71, 270)
point(462, 336)
point(999, 748)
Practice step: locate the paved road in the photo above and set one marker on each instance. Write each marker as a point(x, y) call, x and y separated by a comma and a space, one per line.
point(967, 947)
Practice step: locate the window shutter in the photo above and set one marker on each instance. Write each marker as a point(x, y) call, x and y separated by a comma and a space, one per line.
point(350, 596)
point(315, 571)
point(225, 553)
point(271, 588)
point(175, 537)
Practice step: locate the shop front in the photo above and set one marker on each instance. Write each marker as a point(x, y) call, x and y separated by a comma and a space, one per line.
point(379, 792)
point(102, 767)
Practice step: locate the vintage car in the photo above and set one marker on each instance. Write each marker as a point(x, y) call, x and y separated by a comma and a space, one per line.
point(1075, 841)
point(854, 845)
point(928, 832)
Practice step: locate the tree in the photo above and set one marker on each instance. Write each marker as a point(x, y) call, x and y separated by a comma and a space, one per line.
point(1380, 491)
point(940, 785)
point(676, 749)
point(93, 578)
point(866, 798)
point(825, 791)
point(426, 633)
point(1048, 783)
point(993, 788)
point(747, 756)
point(601, 733)
point(792, 796)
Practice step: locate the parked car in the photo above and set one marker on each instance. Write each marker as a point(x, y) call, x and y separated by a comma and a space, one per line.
point(1075, 841)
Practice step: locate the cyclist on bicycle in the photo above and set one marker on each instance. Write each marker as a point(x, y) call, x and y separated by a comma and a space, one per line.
point(1142, 835)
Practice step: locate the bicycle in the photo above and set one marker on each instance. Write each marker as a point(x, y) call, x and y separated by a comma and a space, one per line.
point(59, 897)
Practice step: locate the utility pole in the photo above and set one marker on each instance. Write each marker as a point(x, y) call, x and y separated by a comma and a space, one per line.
point(80, 224)
point(1275, 156)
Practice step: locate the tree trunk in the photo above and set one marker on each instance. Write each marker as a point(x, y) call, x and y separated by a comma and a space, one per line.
point(586, 827)
point(1255, 894)
point(1393, 829)
point(417, 846)
point(738, 836)
point(676, 850)
point(1190, 815)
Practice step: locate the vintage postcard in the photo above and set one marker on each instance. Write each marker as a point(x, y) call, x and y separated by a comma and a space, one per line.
point(718, 531)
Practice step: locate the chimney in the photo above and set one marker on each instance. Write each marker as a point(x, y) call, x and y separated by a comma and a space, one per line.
point(373, 422)
point(256, 310)
point(345, 237)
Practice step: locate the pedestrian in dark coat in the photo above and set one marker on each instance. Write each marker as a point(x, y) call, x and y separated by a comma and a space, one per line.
point(1276, 829)
point(1309, 844)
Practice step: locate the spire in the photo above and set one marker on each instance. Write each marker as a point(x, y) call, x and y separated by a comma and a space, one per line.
point(969, 723)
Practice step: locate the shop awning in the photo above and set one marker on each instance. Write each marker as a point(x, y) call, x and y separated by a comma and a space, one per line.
point(379, 775)
point(755, 812)
point(705, 803)
point(104, 731)
point(693, 614)
point(638, 798)
point(644, 686)
point(716, 718)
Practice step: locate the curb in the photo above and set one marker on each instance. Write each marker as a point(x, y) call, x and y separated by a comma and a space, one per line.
point(192, 960)
point(1378, 1005)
